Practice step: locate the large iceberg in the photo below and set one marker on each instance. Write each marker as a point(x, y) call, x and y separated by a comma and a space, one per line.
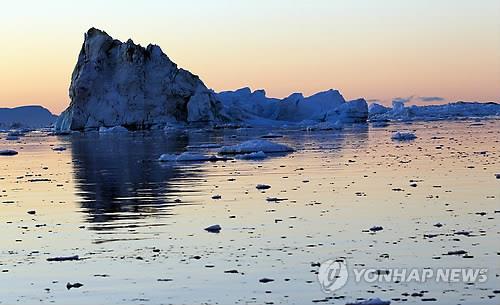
point(122, 83)
point(119, 83)
point(255, 107)
point(458, 110)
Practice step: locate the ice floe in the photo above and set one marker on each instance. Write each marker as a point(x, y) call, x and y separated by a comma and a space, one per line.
point(8, 152)
point(251, 156)
point(403, 136)
point(255, 146)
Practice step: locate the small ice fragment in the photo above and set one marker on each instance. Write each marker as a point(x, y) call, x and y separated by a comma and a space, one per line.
point(376, 228)
point(374, 301)
point(12, 138)
point(210, 145)
point(75, 285)
point(63, 258)
point(403, 136)
point(251, 156)
point(167, 158)
point(216, 197)
point(186, 157)
point(262, 186)
point(271, 136)
point(275, 199)
point(213, 229)
point(60, 148)
point(8, 152)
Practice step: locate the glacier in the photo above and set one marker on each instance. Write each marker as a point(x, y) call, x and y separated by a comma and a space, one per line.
point(123, 84)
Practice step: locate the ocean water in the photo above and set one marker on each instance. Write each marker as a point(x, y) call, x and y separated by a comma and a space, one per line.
point(137, 225)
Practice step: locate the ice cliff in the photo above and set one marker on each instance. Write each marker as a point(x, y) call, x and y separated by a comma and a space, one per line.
point(119, 83)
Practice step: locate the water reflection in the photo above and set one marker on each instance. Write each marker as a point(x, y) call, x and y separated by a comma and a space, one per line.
point(118, 178)
point(121, 185)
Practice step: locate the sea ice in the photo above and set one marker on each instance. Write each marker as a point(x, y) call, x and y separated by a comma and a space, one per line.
point(11, 138)
point(374, 301)
point(213, 228)
point(403, 136)
point(8, 152)
point(251, 156)
point(187, 157)
point(255, 146)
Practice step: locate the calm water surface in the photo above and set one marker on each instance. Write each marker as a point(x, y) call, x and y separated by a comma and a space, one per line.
point(137, 224)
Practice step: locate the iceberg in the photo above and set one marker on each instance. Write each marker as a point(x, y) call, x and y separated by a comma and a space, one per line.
point(118, 83)
point(258, 109)
point(122, 83)
point(255, 146)
point(450, 111)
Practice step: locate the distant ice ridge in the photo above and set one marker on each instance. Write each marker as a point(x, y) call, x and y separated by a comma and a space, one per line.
point(26, 116)
point(118, 83)
point(255, 108)
point(449, 111)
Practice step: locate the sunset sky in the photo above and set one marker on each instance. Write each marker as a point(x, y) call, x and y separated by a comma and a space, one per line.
point(448, 49)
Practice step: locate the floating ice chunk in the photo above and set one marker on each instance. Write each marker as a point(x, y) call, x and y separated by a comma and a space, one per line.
point(213, 229)
point(403, 136)
point(210, 145)
point(167, 158)
point(187, 157)
point(63, 258)
point(271, 136)
point(11, 138)
point(16, 133)
point(115, 129)
point(255, 146)
point(8, 152)
point(59, 148)
point(251, 156)
point(262, 186)
point(374, 301)
point(376, 228)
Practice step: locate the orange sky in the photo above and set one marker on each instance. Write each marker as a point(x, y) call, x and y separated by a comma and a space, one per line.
point(373, 49)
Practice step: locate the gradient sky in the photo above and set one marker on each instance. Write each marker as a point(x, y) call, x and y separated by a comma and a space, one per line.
point(374, 49)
